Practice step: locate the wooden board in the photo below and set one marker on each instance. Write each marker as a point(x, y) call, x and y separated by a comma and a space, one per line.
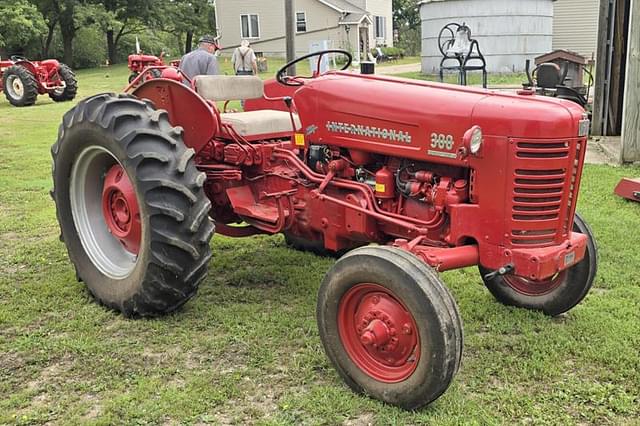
point(631, 113)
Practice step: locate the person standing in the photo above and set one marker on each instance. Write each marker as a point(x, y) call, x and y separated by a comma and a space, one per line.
point(201, 61)
point(244, 60)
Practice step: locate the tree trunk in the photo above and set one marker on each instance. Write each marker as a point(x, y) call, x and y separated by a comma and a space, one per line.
point(111, 47)
point(67, 43)
point(188, 45)
point(47, 42)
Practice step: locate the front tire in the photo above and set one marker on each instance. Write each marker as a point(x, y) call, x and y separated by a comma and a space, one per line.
point(389, 326)
point(70, 90)
point(130, 205)
point(556, 295)
point(20, 86)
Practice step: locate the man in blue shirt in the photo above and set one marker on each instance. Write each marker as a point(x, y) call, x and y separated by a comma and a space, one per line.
point(201, 61)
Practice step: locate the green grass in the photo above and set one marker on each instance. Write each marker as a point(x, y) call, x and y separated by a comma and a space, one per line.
point(246, 349)
point(473, 78)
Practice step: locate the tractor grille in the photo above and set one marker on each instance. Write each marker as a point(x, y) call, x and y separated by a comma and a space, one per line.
point(544, 188)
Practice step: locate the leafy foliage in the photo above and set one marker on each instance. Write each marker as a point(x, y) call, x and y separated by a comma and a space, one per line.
point(406, 19)
point(20, 23)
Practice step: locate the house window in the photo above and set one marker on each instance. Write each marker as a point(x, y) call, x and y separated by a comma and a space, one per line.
point(301, 22)
point(250, 26)
point(381, 27)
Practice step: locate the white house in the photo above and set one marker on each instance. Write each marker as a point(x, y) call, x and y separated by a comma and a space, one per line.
point(354, 25)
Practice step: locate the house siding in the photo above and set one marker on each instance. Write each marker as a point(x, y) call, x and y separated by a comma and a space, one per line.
point(322, 24)
point(378, 8)
point(575, 26)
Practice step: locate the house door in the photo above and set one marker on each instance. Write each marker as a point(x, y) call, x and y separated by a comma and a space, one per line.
point(364, 43)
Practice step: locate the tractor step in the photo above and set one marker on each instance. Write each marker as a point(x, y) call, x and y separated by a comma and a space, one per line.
point(629, 189)
point(245, 205)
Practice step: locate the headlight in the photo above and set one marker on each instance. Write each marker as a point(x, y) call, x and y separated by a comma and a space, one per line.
point(473, 139)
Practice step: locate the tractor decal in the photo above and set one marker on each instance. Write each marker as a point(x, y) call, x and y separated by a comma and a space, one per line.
point(369, 131)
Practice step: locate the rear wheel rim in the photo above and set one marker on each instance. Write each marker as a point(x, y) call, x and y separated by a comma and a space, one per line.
point(378, 333)
point(534, 288)
point(88, 189)
point(15, 87)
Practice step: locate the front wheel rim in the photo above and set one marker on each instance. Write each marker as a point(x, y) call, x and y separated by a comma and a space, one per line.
point(88, 189)
point(378, 333)
point(535, 288)
point(15, 87)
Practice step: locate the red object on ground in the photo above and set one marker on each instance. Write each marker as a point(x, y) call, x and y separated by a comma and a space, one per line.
point(629, 189)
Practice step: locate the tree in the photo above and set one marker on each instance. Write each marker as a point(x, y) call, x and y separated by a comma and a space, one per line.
point(123, 17)
point(189, 18)
point(50, 16)
point(20, 24)
point(406, 19)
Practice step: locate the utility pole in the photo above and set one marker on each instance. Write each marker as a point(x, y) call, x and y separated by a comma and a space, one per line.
point(290, 34)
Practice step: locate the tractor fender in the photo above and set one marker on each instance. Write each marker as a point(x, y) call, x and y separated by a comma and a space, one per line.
point(185, 108)
point(28, 65)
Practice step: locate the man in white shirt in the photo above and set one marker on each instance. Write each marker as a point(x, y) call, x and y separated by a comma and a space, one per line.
point(244, 60)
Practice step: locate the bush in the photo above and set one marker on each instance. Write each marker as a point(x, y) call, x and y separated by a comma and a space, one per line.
point(89, 48)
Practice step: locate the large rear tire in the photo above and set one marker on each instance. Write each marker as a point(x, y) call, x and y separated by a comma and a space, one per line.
point(20, 86)
point(556, 295)
point(67, 93)
point(389, 326)
point(130, 204)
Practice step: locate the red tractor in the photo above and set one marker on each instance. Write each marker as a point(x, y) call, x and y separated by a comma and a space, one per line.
point(23, 80)
point(140, 62)
point(436, 176)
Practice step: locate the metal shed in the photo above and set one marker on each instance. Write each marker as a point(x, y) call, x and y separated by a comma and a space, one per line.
point(509, 32)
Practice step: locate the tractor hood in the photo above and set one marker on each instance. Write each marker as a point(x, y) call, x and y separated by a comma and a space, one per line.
point(423, 120)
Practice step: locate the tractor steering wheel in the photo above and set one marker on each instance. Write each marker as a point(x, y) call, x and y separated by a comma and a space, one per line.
point(17, 58)
point(284, 79)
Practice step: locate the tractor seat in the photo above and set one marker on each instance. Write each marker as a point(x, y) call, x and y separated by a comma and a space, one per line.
point(252, 125)
point(262, 122)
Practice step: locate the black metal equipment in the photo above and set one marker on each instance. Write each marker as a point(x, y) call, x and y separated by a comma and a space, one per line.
point(549, 79)
point(455, 44)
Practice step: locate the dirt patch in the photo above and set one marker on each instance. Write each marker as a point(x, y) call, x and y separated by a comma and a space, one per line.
point(95, 407)
point(50, 374)
point(361, 420)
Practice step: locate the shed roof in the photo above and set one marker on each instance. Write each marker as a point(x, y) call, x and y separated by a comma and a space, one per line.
point(565, 55)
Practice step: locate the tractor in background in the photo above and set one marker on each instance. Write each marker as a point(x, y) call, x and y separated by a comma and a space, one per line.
point(140, 62)
point(437, 177)
point(23, 80)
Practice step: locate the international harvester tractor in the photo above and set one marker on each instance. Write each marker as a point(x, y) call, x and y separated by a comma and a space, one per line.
point(139, 63)
point(23, 80)
point(408, 178)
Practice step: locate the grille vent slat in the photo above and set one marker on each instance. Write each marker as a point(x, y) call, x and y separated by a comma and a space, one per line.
point(540, 176)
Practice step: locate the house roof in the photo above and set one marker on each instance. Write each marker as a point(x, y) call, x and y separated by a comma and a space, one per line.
point(355, 18)
point(342, 6)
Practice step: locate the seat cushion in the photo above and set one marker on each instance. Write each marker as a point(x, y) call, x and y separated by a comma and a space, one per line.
point(261, 122)
point(229, 87)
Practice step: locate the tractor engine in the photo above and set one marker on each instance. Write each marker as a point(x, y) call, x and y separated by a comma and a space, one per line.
point(399, 162)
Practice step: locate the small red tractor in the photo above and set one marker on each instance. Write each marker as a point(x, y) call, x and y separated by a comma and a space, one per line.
point(140, 62)
point(23, 80)
point(436, 176)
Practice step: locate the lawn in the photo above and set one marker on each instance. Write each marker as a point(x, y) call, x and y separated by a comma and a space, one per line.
point(246, 349)
point(473, 78)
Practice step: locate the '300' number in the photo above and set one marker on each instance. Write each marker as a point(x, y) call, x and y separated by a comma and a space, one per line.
point(442, 141)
